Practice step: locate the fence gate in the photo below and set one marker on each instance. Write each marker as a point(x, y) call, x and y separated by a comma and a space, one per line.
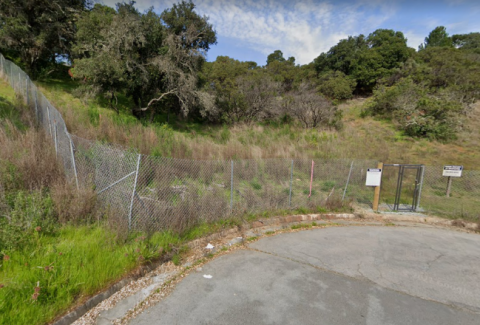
point(402, 186)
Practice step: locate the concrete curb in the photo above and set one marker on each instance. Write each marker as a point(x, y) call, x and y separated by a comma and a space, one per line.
point(92, 302)
point(259, 227)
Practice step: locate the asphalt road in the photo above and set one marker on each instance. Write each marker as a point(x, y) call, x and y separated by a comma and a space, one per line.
point(347, 275)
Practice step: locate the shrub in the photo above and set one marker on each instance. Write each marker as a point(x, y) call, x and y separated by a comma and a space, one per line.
point(336, 85)
point(417, 111)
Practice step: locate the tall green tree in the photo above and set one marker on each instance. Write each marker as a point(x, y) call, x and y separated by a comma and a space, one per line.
point(437, 37)
point(140, 55)
point(181, 17)
point(366, 59)
point(39, 30)
point(467, 41)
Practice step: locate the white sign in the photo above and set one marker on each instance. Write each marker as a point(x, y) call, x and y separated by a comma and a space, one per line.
point(374, 177)
point(452, 171)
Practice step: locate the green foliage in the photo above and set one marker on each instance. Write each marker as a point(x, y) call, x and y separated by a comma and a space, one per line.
point(437, 37)
point(152, 58)
point(73, 262)
point(366, 59)
point(467, 41)
point(256, 184)
point(336, 85)
point(416, 112)
point(183, 16)
point(328, 185)
point(38, 31)
point(24, 212)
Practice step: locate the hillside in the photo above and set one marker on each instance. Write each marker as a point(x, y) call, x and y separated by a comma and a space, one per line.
point(360, 138)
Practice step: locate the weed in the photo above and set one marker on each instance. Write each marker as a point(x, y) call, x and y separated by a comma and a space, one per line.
point(301, 210)
point(301, 226)
point(269, 232)
point(177, 259)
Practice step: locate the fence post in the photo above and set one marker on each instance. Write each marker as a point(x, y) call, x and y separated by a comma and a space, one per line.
point(231, 188)
point(133, 194)
point(420, 188)
point(49, 122)
point(376, 197)
point(26, 91)
point(291, 181)
point(74, 165)
point(55, 137)
point(36, 107)
point(348, 180)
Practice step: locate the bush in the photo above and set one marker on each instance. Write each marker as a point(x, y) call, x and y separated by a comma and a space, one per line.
point(23, 215)
point(336, 85)
point(417, 111)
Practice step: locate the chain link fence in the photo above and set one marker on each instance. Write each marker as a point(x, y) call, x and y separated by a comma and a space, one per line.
point(155, 193)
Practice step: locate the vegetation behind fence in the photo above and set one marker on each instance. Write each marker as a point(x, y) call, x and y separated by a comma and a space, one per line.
point(149, 192)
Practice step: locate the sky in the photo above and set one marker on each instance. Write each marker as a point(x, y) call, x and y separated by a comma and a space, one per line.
point(249, 30)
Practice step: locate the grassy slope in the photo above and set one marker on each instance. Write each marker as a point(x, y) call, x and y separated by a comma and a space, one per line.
point(362, 138)
point(67, 265)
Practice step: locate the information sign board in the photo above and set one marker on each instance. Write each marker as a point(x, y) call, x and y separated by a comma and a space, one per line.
point(374, 177)
point(452, 171)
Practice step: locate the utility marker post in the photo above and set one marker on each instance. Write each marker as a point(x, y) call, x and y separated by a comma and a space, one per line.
point(449, 186)
point(291, 181)
point(376, 196)
point(231, 189)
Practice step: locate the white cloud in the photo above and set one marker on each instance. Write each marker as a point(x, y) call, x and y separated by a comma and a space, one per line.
point(302, 28)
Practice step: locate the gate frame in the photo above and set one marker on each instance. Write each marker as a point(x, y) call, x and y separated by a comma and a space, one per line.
point(418, 185)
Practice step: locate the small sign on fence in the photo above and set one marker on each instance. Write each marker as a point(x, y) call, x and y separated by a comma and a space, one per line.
point(374, 176)
point(452, 171)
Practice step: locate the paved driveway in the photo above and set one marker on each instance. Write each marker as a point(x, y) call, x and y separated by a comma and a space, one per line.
point(344, 275)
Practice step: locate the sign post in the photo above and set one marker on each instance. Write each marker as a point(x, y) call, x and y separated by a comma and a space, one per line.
point(374, 178)
point(451, 171)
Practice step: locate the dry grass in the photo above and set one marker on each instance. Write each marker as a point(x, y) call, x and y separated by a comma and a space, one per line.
point(28, 159)
point(361, 138)
point(28, 162)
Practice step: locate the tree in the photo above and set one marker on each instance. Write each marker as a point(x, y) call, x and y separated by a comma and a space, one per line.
point(281, 70)
point(310, 108)
point(343, 56)
point(467, 41)
point(276, 56)
point(137, 54)
point(39, 31)
point(437, 37)
point(366, 59)
point(181, 17)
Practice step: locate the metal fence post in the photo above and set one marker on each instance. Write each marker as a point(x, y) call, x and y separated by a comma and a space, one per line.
point(36, 107)
point(55, 137)
point(291, 181)
point(420, 188)
point(49, 121)
point(231, 188)
point(133, 193)
point(26, 91)
point(74, 165)
point(348, 180)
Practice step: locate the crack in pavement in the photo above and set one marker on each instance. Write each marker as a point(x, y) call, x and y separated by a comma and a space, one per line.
point(365, 279)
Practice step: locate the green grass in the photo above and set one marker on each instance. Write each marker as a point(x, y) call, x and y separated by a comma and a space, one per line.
point(301, 226)
point(69, 266)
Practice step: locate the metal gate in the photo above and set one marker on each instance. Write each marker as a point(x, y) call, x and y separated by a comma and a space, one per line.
point(402, 186)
